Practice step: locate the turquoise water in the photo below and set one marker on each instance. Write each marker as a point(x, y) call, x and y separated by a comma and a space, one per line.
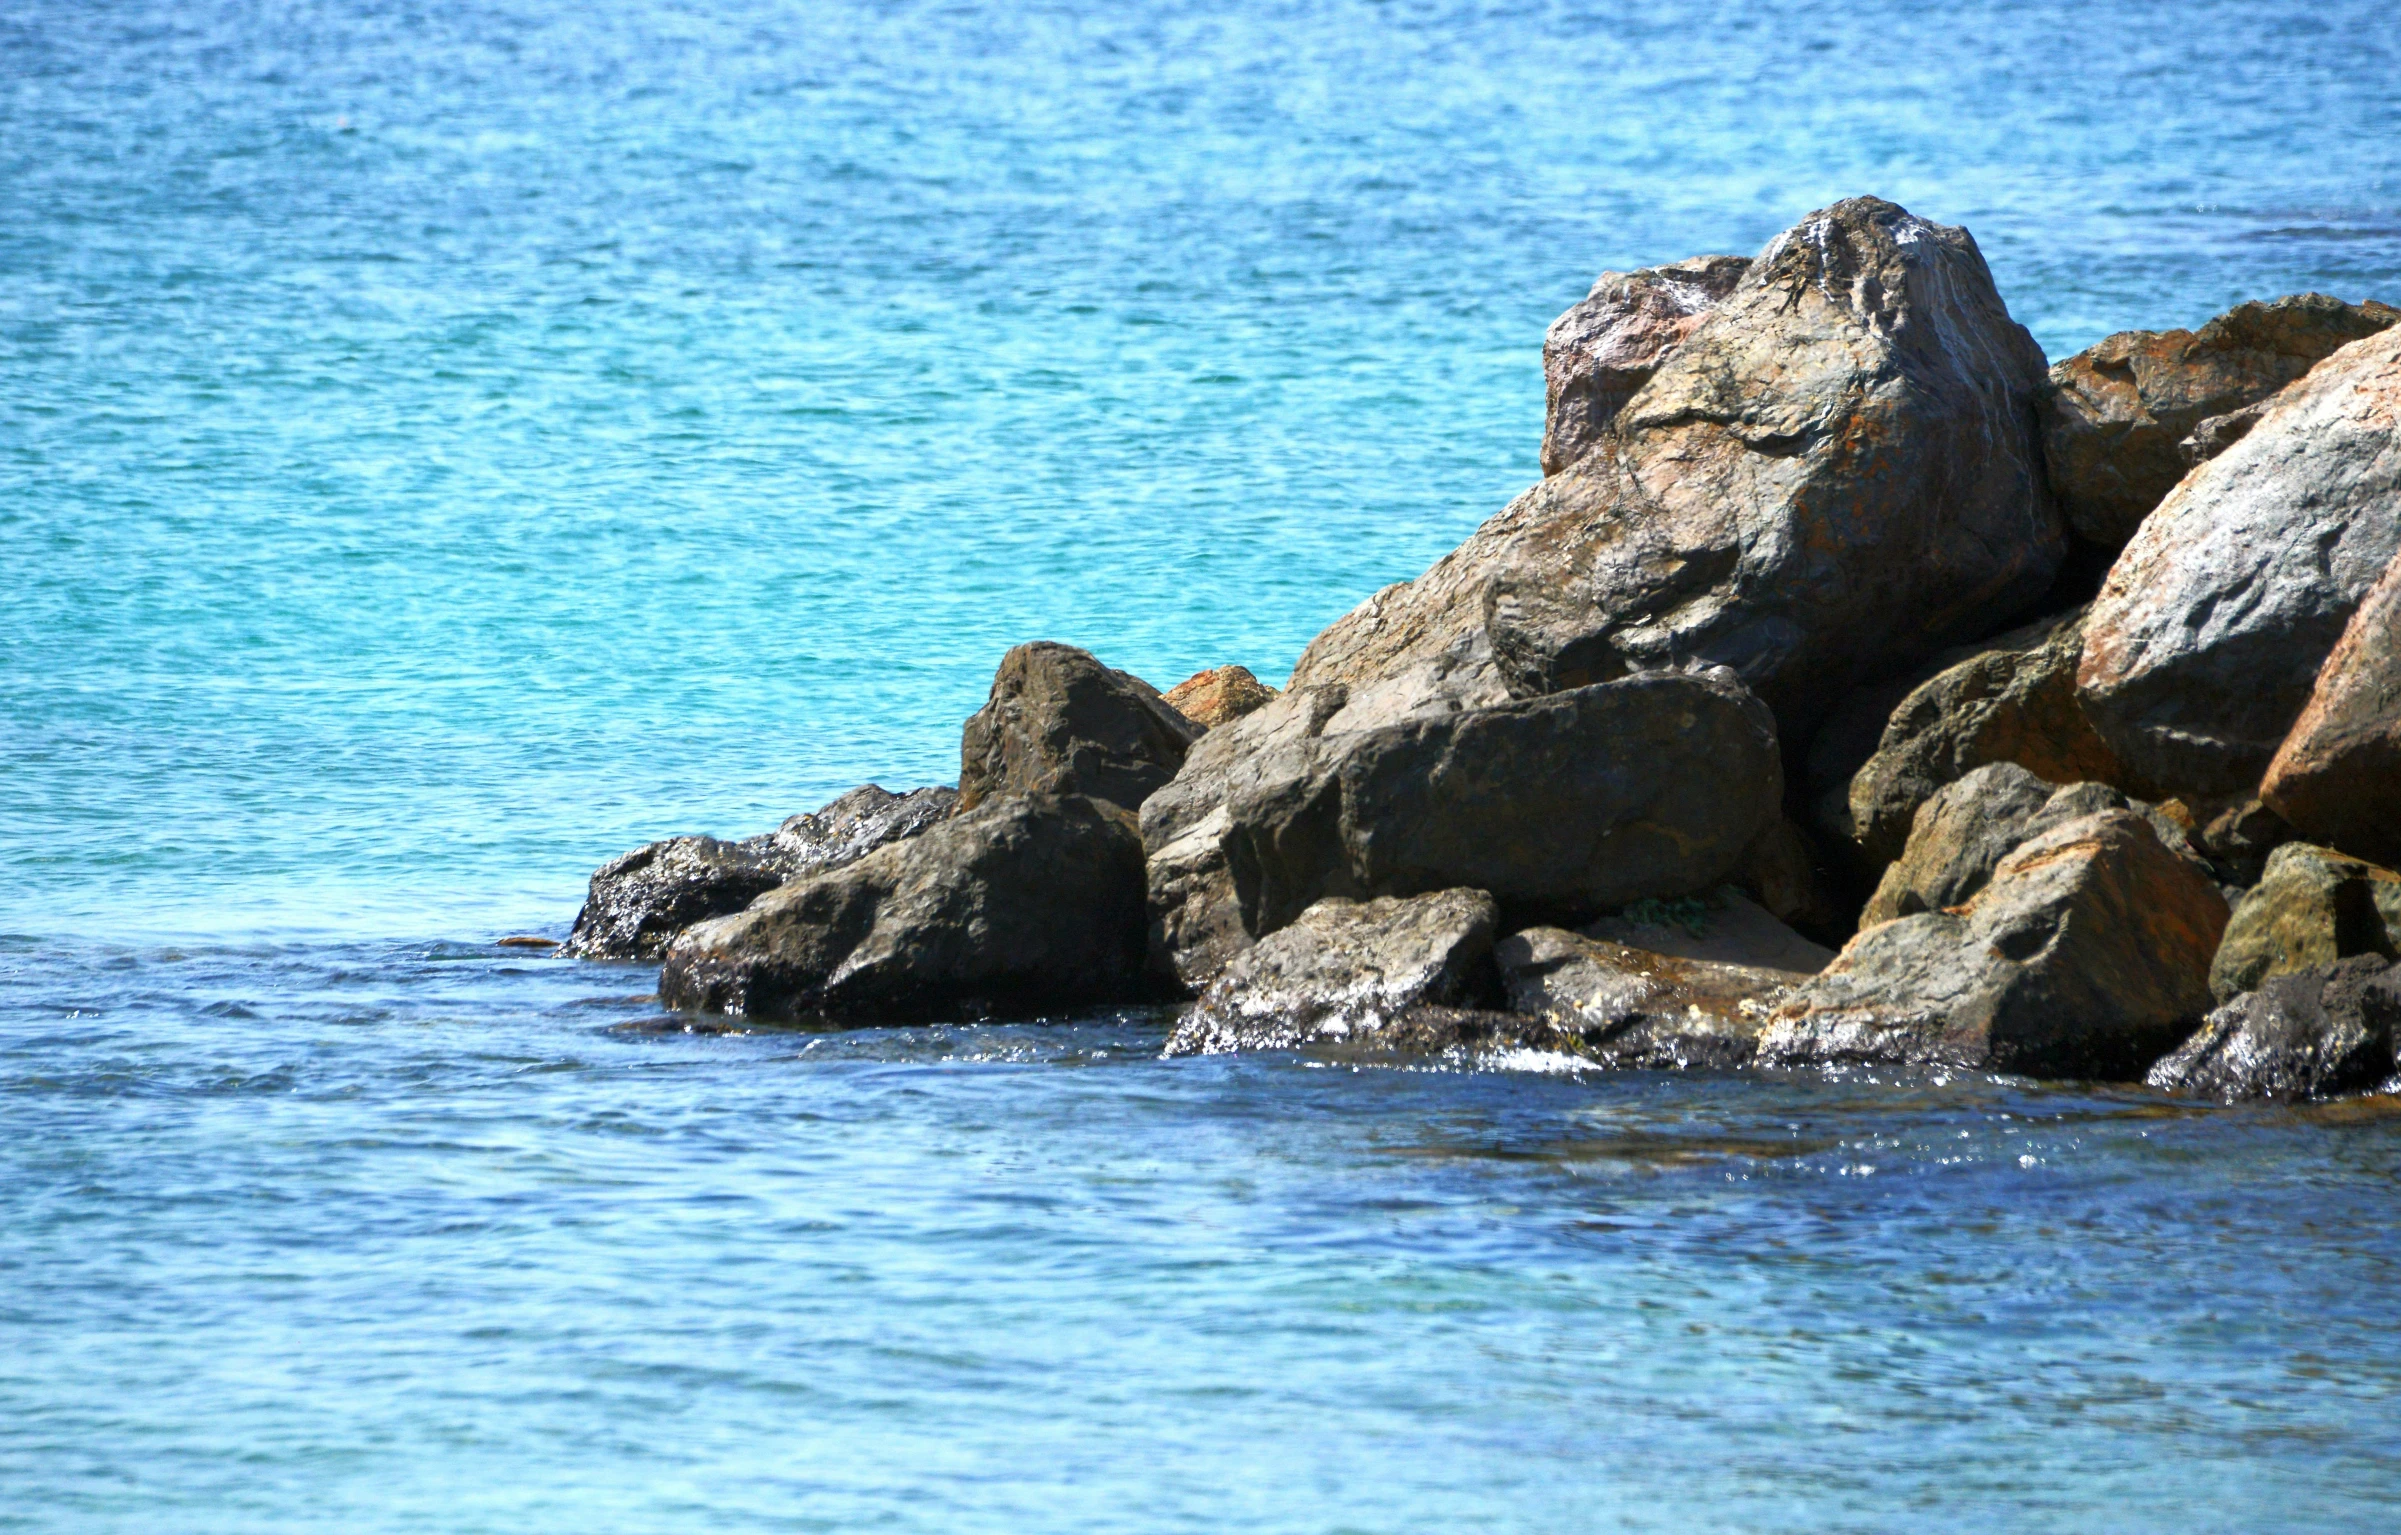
point(442, 446)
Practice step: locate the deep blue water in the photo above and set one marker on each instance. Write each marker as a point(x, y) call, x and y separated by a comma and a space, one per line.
point(444, 445)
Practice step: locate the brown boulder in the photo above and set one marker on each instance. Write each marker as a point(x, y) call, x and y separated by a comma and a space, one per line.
point(2087, 954)
point(2124, 419)
point(1219, 696)
point(2337, 777)
point(2312, 906)
point(2208, 637)
point(1598, 353)
point(1022, 906)
point(1059, 722)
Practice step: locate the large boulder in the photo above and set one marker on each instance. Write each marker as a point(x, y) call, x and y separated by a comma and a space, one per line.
point(2311, 907)
point(2209, 634)
point(1559, 806)
point(2337, 777)
point(1598, 353)
point(2087, 954)
point(1835, 475)
point(1638, 1008)
point(639, 902)
point(2012, 700)
point(2308, 1034)
point(2117, 415)
point(1059, 722)
point(1344, 970)
point(1023, 906)
point(1219, 696)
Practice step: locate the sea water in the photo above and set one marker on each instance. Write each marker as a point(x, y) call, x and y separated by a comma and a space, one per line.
point(443, 445)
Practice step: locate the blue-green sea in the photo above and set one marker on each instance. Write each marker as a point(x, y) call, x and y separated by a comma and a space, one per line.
point(445, 444)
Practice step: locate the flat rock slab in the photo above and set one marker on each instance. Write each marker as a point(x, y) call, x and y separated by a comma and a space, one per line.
point(1724, 928)
point(2311, 1033)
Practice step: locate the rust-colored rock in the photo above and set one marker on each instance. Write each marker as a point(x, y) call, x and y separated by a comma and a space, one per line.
point(2337, 777)
point(2125, 418)
point(1598, 353)
point(1219, 696)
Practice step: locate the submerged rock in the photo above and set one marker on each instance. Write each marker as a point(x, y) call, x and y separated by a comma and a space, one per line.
point(1833, 476)
point(2086, 954)
point(1059, 722)
point(639, 902)
point(2014, 700)
point(1220, 696)
point(1637, 1008)
point(2311, 907)
point(1598, 353)
point(2307, 1034)
point(2337, 777)
point(2208, 636)
point(1022, 906)
point(2124, 419)
point(1346, 970)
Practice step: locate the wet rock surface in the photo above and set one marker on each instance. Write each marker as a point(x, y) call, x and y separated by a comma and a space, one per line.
point(1635, 1008)
point(1059, 722)
point(1019, 907)
point(849, 828)
point(1599, 352)
point(2311, 1033)
point(2124, 419)
point(1219, 696)
point(2207, 639)
point(2311, 907)
point(1347, 970)
point(2087, 954)
point(2337, 777)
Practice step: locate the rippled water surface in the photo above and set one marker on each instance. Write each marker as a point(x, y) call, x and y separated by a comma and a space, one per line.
point(443, 445)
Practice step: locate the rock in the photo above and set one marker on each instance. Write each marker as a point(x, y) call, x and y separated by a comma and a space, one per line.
point(1344, 969)
point(639, 902)
point(2117, 415)
point(2013, 700)
point(2337, 777)
point(1025, 905)
point(2215, 435)
point(2309, 1034)
point(1721, 928)
point(1834, 476)
point(2207, 638)
point(1598, 353)
point(1634, 1008)
point(1058, 722)
point(1219, 697)
point(2087, 954)
point(1788, 875)
point(2311, 907)
point(1563, 805)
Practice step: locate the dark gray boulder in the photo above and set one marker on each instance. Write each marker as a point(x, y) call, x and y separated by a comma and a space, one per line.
point(2086, 954)
point(1346, 971)
point(1563, 805)
point(1059, 722)
point(1600, 352)
point(2311, 1033)
point(2311, 907)
point(1020, 907)
point(1636, 1008)
point(2124, 419)
point(639, 902)
point(2207, 639)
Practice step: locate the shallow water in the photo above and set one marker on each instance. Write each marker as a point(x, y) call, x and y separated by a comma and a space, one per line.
point(443, 447)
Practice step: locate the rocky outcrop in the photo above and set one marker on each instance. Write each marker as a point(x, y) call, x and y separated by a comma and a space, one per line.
point(1723, 927)
point(1219, 696)
point(1021, 906)
point(2337, 777)
point(1834, 476)
point(638, 903)
point(1598, 353)
point(1637, 1008)
point(1562, 805)
point(1059, 722)
point(1346, 970)
point(2311, 907)
point(2012, 700)
point(2118, 415)
point(2208, 636)
point(2087, 954)
point(2313, 1033)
